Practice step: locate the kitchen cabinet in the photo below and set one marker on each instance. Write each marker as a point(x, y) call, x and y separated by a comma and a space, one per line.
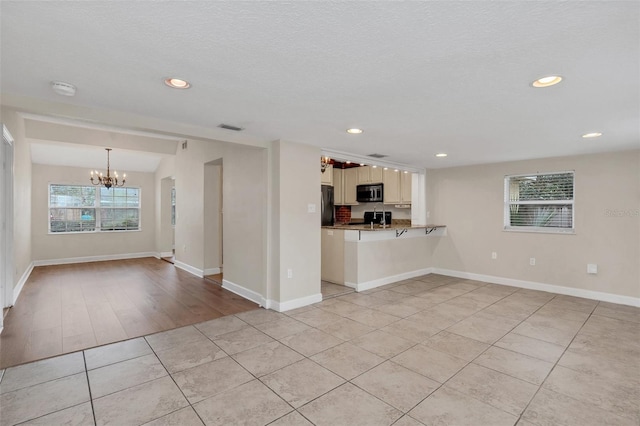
point(338, 187)
point(397, 187)
point(326, 178)
point(369, 174)
point(350, 182)
point(405, 188)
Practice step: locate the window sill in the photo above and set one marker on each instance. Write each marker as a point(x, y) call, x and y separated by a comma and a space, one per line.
point(533, 230)
point(93, 232)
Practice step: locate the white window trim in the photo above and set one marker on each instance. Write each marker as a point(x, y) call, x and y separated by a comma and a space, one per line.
point(97, 207)
point(535, 229)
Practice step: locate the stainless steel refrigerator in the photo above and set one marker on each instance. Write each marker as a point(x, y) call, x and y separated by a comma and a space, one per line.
point(326, 205)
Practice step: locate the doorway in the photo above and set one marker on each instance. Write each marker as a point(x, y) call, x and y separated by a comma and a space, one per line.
point(166, 236)
point(6, 222)
point(213, 221)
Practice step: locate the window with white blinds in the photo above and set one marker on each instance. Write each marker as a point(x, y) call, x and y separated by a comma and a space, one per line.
point(86, 208)
point(541, 202)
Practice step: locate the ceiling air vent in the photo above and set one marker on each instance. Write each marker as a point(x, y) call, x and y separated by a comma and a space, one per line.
point(230, 127)
point(377, 155)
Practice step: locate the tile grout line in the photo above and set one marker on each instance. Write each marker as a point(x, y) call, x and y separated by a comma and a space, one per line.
point(476, 357)
point(86, 372)
point(557, 361)
point(174, 381)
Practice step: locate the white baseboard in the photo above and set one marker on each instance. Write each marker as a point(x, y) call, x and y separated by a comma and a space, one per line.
point(367, 285)
point(244, 292)
point(191, 269)
point(551, 288)
point(295, 303)
point(48, 262)
point(212, 271)
point(23, 279)
point(164, 254)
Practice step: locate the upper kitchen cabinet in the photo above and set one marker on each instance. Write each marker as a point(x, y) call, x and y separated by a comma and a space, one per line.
point(405, 188)
point(350, 182)
point(326, 177)
point(369, 174)
point(397, 187)
point(338, 187)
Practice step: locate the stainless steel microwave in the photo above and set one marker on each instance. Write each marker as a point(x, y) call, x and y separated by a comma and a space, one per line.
point(370, 193)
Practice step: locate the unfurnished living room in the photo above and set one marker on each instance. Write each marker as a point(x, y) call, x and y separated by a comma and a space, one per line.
point(320, 213)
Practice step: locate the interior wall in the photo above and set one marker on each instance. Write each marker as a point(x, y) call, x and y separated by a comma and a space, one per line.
point(299, 229)
point(22, 248)
point(469, 200)
point(164, 182)
point(244, 194)
point(64, 246)
point(273, 231)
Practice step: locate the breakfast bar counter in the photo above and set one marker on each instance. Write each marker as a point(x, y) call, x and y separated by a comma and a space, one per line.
point(363, 257)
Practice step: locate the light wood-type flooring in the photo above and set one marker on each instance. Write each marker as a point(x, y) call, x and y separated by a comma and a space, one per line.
point(66, 308)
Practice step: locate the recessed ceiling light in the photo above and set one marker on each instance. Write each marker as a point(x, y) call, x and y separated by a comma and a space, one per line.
point(406, 172)
point(374, 166)
point(386, 168)
point(592, 135)
point(348, 162)
point(547, 81)
point(396, 170)
point(362, 164)
point(177, 83)
point(441, 155)
point(354, 131)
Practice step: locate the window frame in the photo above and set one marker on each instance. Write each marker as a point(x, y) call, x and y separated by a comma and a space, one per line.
point(96, 207)
point(538, 229)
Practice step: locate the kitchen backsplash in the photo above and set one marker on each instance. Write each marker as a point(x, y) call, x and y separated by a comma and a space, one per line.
point(357, 212)
point(343, 214)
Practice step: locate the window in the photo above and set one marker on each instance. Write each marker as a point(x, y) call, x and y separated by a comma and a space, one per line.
point(539, 202)
point(78, 208)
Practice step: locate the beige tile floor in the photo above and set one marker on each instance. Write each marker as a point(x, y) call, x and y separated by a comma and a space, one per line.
point(432, 350)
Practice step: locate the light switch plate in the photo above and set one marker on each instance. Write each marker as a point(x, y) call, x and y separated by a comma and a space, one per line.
point(592, 268)
point(311, 208)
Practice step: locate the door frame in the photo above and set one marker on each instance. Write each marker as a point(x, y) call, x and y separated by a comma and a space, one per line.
point(6, 221)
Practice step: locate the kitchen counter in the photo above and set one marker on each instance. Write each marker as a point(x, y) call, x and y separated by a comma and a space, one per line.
point(367, 227)
point(363, 258)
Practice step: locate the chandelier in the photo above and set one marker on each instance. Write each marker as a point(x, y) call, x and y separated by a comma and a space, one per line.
point(107, 181)
point(324, 163)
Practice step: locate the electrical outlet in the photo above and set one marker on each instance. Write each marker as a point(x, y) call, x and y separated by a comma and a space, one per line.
point(532, 261)
point(494, 255)
point(592, 268)
point(184, 247)
point(311, 208)
point(289, 273)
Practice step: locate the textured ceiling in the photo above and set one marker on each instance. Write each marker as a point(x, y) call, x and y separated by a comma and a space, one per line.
point(418, 77)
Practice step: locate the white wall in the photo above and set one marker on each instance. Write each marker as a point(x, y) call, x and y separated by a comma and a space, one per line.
point(244, 198)
point(469, 200)
point(296, 236)
point(22, 249)
point(64, 246)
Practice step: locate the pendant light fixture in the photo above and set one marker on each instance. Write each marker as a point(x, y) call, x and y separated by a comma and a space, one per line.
point(107, 181)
